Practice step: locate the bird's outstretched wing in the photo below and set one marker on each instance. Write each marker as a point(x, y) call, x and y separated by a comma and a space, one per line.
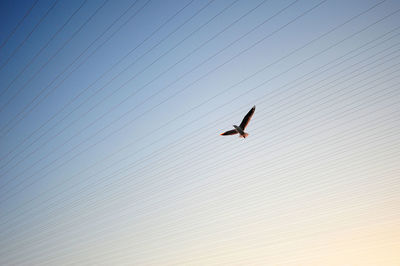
point(230, 132)
point(247, 118)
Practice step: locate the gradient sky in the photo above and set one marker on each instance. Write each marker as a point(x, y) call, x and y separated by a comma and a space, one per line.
point(110, 115)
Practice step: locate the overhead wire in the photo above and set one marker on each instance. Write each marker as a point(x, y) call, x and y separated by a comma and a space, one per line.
point(370, 95)
point(283, 240)
point(171, 169)
point(27, 37)
point(367, 114)
point(70, 73)
point(32, 60)
point(6, 39)
point(131, 109)
point(103, 74)
point(101, 238)
point(356, 250)
point(281, 188)
point(191, 248)
point(73, 62)
point(125, 69)
point(360, 249)
point(361, 143)
point(18, 91)
point(263, 97)
point(374, 22)
point(191, 123)
point(249, 77)
point(303, 150)
point(146, 168)
point(386, 106)
point(196, 147)
point(164, 39)
point(168, 181)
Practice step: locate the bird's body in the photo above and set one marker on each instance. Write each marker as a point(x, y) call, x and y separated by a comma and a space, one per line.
point(241, 132)
point(240, 129)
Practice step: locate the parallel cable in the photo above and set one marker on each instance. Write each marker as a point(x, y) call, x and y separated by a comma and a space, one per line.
point(93, 198)
point(26, 38)
point(339, 210)
point(296, 131)
point(249, 77)
point(6, 39)
point(187, 124)
point(269, 144)
point(269, 96)
point(321, 144)
point(86, 113)
point(299, 190)
point(120, 128)
point(97, 79)
point(210, 259)
point(344, 150)
point(32, 60)
point(103, 235)
point(53, 56)
point(84, 102)
point(152, 155)
point(156, 260)
point(23, 116)
point(125, 69)
point(144, 169)
point(243, 51)
point(75, 60)
point(220, 168)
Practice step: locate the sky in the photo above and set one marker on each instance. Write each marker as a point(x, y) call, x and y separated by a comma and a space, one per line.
point(110, 115)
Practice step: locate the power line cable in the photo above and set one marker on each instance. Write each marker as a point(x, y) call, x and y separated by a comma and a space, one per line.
point(97, 119)
point(32, 60)
point(367, 114)
point(86, 200)
point(53, 56)
point(296, 131)
point(6, 39)
point(263, 96)
point(113, 92)
point(345, 149)
point(101, 76)
point(369, 26)
point(282, 191)
point(245, 50)
point(75, 60)
point(83, 91)
point(26, 38)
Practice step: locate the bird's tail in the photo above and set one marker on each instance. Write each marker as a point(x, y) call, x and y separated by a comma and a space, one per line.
point(244, 135)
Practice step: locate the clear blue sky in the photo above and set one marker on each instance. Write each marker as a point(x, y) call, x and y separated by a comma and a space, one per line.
point(110, 115)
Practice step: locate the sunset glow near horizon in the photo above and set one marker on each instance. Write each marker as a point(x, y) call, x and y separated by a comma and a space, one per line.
point(110, 121)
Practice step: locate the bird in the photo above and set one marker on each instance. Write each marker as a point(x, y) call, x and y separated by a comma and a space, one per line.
point(240, 129)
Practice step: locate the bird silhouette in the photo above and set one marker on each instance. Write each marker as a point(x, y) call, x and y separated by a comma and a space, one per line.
point(240, 129)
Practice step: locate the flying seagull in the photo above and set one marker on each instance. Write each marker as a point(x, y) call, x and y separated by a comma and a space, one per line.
point(240, 129)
